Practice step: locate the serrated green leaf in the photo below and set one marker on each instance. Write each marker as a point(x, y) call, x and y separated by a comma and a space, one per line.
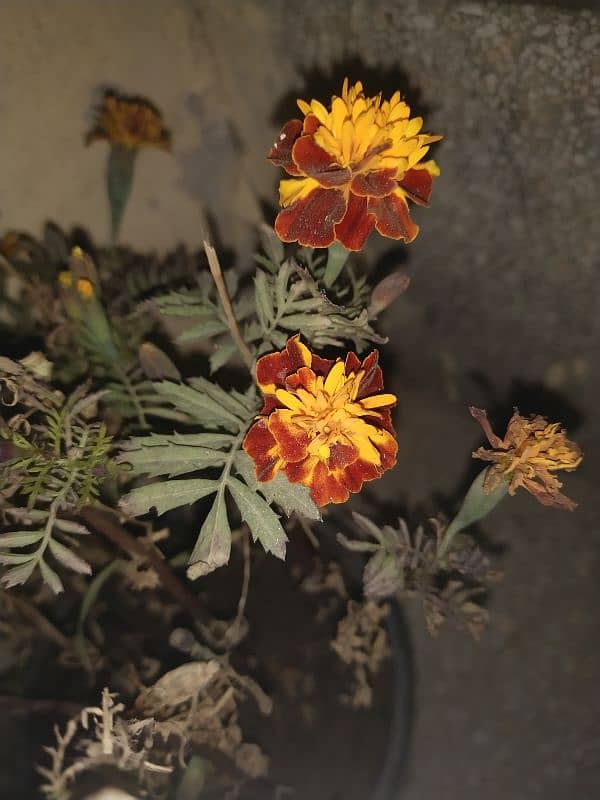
point(290, 497)
point(271, 244)
point(172, 459)
point(281, 284)
point(223, 353)
point(203, 330)
point(265, 262)
point(16, 576)
point(264, 304)
point(68, 558)
point(20, 538)
point(16, 558)
point(165, 495)
point(216, 440)
point(198, 405)
point(264, 524)
point(50, 577)
point(68, 526)
point(229, 400)
point(213, 546)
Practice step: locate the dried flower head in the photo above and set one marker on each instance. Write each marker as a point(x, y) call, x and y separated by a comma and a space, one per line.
point(325, 424)
point(530, 453)
point(354, 166)
point(130, 122)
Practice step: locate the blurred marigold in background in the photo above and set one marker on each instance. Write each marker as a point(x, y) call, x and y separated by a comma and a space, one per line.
point(129, 122)
point(10, 244)
point(531, 451)
point(354, 167)
point(325, 424)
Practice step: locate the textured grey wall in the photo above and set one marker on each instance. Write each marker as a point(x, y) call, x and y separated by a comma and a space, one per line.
point(506, 263)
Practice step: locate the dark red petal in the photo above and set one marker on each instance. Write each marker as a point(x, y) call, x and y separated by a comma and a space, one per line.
point(340, 455)
point(321, 366)
point(280, 153)
point(372, 381)
point(310, 221)
point(275, 367)
point(262, 449)
point(393, 218)
point(356, 225)
point(270, 404)
point(378, 183)
point(388, 453)
point(304, 378)
point(300, 471)
point(311, 124)
point(291, 439)
point(417, 184)
point(352, 363)
point(326, 488)
point(383, 421)
point(356, 473)
point(317, 163)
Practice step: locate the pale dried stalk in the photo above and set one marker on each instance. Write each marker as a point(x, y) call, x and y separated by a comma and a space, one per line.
point(216, 272)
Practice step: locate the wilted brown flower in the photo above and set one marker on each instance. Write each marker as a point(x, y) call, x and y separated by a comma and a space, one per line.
point(130, 122)
point(531, 451)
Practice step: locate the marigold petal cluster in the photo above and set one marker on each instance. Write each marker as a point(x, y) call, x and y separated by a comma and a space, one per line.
point(325, 424)
point(531, 452)
point(353, 168)
point(129, 122)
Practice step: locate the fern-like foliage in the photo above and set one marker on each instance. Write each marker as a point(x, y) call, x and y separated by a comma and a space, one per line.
point(285, 298)
point(223, 470)
point(56, 457)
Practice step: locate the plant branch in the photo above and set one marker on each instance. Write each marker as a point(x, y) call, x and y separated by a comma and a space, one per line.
point(104, 523)
point(35, 616)
point(216, 272)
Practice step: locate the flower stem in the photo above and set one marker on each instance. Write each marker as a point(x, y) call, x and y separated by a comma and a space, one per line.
point(336, 258)
point(216, 272)
point(477, 504)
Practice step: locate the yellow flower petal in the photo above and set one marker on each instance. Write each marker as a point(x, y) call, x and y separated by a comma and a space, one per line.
point(379, 400)
point(335, 379)
point(289, 400)
point(292, 189)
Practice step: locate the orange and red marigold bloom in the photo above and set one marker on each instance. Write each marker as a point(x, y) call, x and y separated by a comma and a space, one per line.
point(129, 122)
point(531, 451)
point(354, 167)
point(325, 424)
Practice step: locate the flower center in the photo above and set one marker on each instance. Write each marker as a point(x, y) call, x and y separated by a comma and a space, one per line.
point(325, 408)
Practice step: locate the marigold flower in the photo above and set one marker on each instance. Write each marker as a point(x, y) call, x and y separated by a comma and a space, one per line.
point(354, 167)
point(531, 451)
point(325, 424)
point(130, 122)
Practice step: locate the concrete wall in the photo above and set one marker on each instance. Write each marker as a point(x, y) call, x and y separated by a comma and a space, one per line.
point(506, 266)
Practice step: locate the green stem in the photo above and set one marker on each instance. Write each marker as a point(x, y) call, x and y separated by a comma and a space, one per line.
point(477, 504)
point(119, 180)
point(336, 258)
point(130, 389)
